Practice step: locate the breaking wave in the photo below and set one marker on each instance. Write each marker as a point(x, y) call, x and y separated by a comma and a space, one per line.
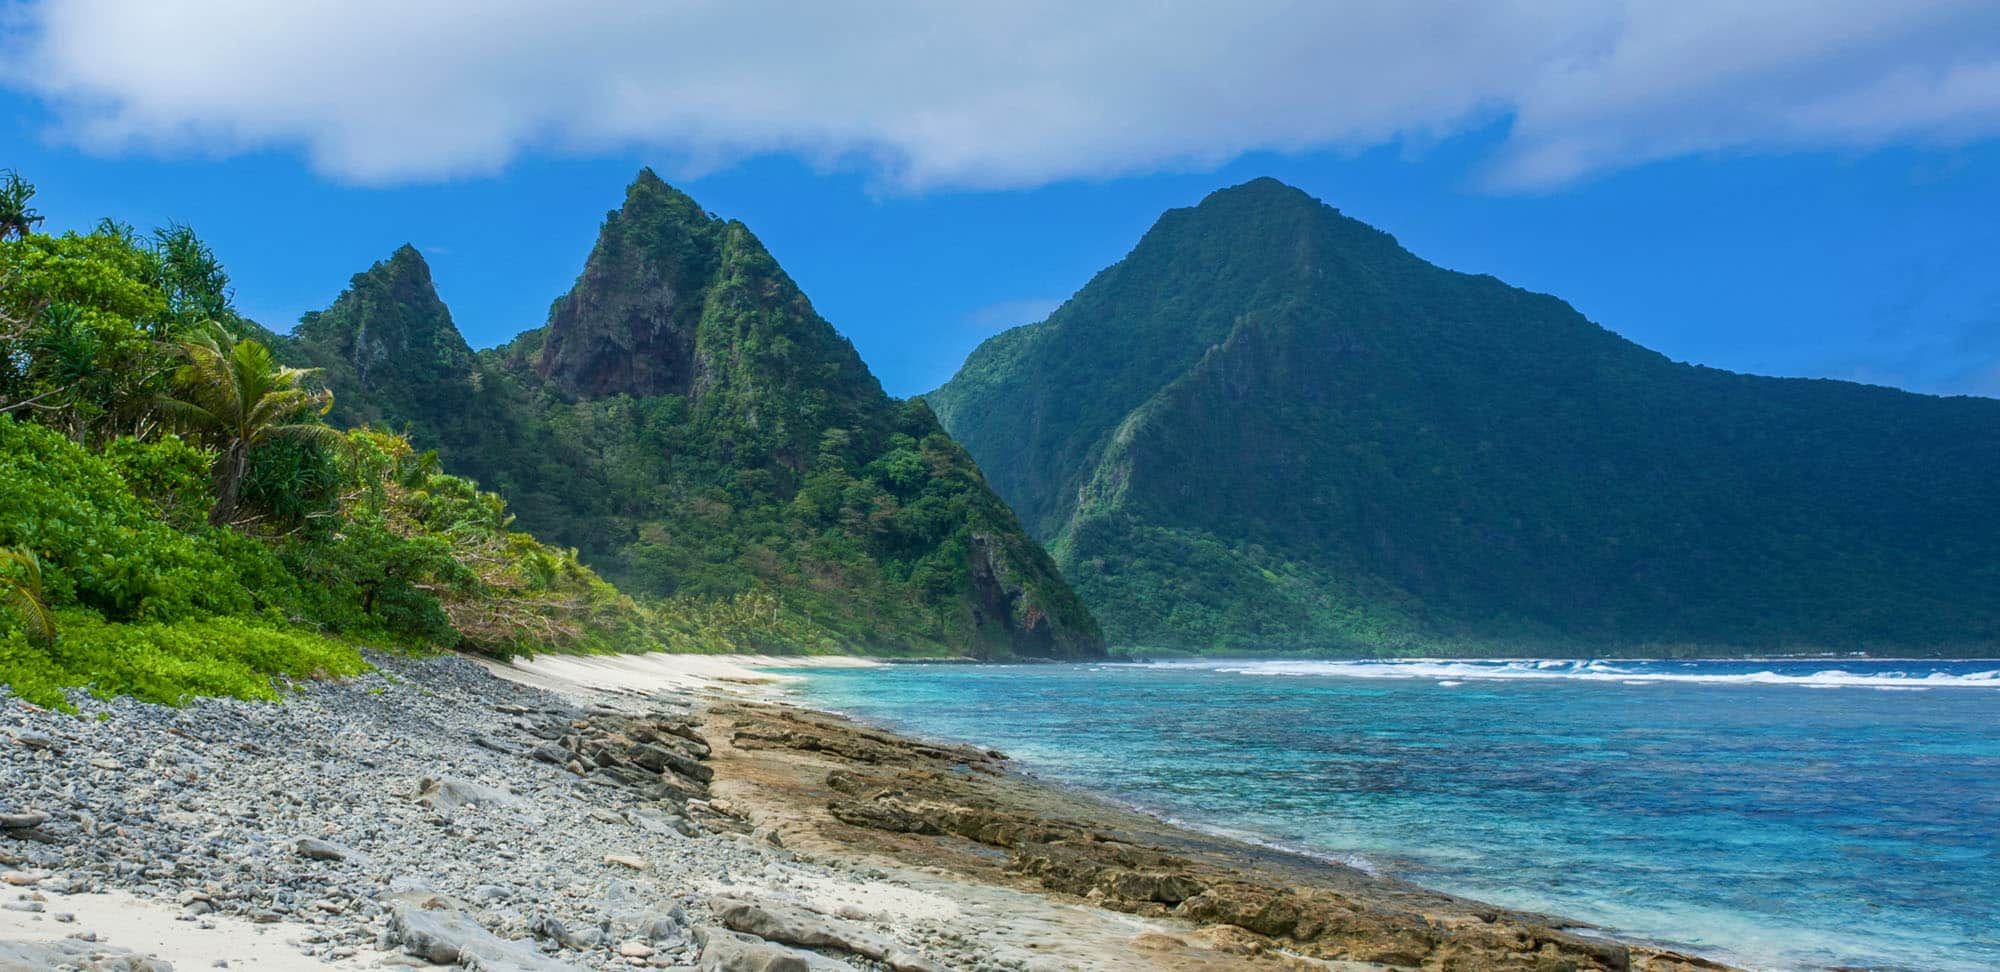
point(1891, 676)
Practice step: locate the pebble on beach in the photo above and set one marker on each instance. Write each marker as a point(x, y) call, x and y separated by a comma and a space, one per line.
point(427, 812)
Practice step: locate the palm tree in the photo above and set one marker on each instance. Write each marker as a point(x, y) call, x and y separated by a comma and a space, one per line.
point(21, 589)
point(17, 218)
point(237, 396)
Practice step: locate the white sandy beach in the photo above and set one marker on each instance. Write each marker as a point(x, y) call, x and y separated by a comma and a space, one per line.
point(119, 921)
point(590, 676)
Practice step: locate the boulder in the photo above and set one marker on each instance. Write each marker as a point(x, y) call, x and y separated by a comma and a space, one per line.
point(72, 953)
point(451, 794)
point(39, 741)
point(889, 815)
point(427, 929)
point(793, 925)
point(315, 849)
point(723, 950)
point(659, 759)
point(22, 821)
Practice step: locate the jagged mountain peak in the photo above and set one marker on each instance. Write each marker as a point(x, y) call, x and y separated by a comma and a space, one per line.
point(628, 325)
point(698, 431)
point(387, 344)
point(390, 310)
point(408, 255)
point(674, 300)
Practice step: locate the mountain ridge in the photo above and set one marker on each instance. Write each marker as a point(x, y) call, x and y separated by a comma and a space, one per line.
point(1319, 440)
point(692, 425)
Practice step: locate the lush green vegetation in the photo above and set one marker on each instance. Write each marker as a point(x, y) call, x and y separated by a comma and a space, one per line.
point(702, 437)
point(1271, 427)
point(176, 519)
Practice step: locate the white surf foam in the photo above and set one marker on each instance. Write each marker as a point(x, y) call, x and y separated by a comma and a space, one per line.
point(1455, 671)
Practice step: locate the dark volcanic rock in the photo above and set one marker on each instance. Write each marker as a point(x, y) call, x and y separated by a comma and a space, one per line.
point(958, 809)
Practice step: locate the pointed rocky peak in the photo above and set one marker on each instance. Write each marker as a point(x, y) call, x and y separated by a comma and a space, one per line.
point(647, 191)
point(407, 259)
point(628, 324)
point(391, 319)
point(662, 230)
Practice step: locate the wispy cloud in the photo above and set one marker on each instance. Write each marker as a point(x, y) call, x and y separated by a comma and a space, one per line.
point(1003, 94)
point(1001, 315)
point(1953, 360)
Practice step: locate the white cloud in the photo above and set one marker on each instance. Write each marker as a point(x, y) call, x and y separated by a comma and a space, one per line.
point(1006, 94)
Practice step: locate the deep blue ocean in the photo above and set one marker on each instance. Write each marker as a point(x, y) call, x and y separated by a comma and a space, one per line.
point(1779, 814)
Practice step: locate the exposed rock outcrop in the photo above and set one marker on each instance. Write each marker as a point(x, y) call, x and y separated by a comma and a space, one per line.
point(961, 809)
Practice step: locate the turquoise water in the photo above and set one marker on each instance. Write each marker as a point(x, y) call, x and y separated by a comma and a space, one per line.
point(1778, 814)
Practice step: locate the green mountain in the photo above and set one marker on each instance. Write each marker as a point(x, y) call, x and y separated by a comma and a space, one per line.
point(388, 347)
point(1270, 426)
point(701, 435)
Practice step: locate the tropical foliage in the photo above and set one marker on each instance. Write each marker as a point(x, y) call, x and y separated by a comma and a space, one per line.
point(176, 518)
point(21, 590)
point(17, 214)
point(236, 396)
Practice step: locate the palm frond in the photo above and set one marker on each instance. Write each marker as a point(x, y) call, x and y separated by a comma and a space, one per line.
point(21, 589)
point(277, 407)
point(187, 416)
point(325, 435)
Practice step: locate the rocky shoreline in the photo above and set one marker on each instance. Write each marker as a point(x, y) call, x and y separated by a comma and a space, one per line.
point(431, 814)
point(827, 784)
point(428, 813)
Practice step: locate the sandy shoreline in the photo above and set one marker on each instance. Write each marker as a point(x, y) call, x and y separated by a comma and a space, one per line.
point(654, 811)
point(794, 771)
point(594, 676)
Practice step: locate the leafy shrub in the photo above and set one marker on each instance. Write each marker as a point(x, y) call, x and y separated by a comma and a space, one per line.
point(168, 472)
point(169, 662)
point(291, 481)
point(100, 546)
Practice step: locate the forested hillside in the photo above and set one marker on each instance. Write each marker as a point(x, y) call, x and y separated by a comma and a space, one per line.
point(1272, 427)
point(176, 517)
point(702, 436)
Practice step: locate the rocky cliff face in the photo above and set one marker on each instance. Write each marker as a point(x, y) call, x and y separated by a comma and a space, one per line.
point(628, 326)
point(700, 433)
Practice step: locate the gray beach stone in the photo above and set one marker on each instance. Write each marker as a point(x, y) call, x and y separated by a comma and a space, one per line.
point(74, 953)
point(448, 937)
point(450, 794)
point(211, 810)
point(793, 925)
point(22, 821)
point(723, 950)
point(315, 849)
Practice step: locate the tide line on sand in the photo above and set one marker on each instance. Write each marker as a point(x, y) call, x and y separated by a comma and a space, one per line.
point(579, 675)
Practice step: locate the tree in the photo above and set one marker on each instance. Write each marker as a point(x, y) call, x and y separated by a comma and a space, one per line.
point(21, 589)
point(237, 396)
point(196, 286)
point(17, 218)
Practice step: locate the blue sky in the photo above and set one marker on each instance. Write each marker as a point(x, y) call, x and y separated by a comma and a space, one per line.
point(1829, 216)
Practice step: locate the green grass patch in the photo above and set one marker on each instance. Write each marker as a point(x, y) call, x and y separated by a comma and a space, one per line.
point(169, 662)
